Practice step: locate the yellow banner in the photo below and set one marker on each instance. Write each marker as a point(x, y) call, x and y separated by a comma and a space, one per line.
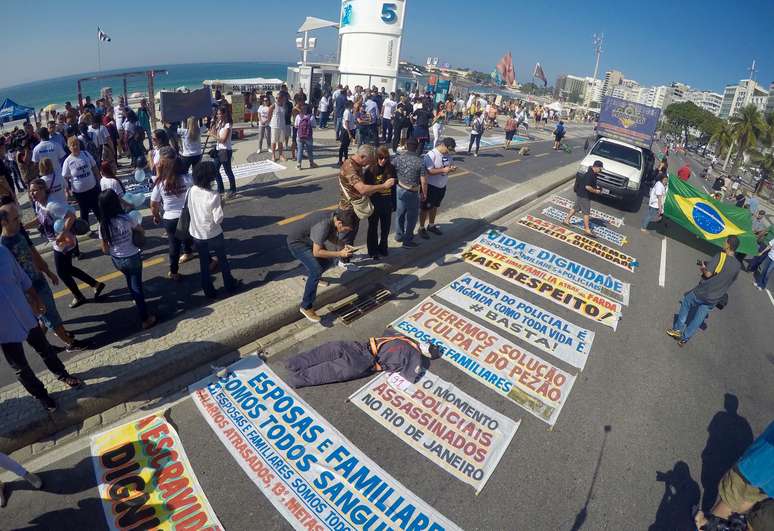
point(580, 241)
point(546, 285)
point(145, 480)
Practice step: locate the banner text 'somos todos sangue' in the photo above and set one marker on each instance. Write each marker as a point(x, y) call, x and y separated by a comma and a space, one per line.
point(310, 472)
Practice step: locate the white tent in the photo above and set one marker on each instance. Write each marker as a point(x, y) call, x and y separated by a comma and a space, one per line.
point(314, 23)
point(555, 106)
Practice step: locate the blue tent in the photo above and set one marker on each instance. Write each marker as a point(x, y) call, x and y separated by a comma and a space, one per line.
point(10, 110)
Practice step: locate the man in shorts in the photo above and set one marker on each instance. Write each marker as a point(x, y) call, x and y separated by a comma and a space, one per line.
point(438, 165)
point(585, 185)
point(747, 488)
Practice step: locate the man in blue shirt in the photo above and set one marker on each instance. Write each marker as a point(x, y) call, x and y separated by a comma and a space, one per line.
point(17, 301)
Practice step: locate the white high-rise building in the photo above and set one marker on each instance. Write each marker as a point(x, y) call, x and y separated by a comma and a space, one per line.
point(613, 78)
point(709, 101)
point(770, 100)
point(744, 93)
point(593, 95)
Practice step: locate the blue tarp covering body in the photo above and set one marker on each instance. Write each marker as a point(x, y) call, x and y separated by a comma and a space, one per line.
point(10, 110)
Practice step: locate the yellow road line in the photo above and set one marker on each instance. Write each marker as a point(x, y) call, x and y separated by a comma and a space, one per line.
point(299, 217)
point(507, 162)
point(110, 276)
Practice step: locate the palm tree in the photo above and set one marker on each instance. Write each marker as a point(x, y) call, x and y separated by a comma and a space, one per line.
point(767, 140)
point(723, 137)
point(748, 127)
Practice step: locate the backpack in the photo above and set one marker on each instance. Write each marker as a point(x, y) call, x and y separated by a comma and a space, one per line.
point(478, 126)
point(90, 146)
point(305, 127)
point(579, 179)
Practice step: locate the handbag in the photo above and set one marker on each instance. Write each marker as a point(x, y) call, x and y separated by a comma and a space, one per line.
point(183, 222)
point(363, 207)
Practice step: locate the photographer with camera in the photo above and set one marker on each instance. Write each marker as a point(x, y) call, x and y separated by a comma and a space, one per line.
point(711, 291)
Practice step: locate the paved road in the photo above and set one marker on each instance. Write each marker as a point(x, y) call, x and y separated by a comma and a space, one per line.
point(647, 427)
point(255, 228)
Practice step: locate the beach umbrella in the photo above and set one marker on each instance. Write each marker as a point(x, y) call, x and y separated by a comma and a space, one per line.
point(50, 107)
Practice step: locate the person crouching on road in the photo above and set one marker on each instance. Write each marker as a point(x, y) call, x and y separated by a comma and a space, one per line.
point(307, 242)
point(656, 202)
point(716, 279)
point(584, 186)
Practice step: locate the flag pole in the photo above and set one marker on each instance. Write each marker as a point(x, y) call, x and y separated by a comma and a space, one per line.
point(99, 54)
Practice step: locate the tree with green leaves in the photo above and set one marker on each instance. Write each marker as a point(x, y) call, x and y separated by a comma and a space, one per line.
point(684, 116)
point(723, 138)
point(748, 127)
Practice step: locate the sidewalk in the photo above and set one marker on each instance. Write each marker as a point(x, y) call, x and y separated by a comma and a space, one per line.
point(146, 360)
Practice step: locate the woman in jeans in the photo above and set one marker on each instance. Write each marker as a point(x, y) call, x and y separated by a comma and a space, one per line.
point(383, 201)
point(191, 138)
point(169, 193)
point(222, 127)
point(206, 213)
point(80, 170)
point(64, 244)
point(115, 231)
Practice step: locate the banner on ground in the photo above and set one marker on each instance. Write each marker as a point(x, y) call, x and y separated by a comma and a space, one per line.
point(145, 480)
point(601, 231)
point(452, 429)
point(601, 215)
point(580, 241)
point(544, 284)
point(531, 382)
point(602, 283)
point(310, 472)
point(521, 319)
point(708, 219)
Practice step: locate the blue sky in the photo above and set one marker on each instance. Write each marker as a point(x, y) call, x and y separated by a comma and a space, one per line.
point(704, 44)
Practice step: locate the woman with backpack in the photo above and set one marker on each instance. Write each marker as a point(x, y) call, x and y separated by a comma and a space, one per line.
point(304, 124)
point(119, 232)
point(476, 132)
point(169, 193)
point(191, 140)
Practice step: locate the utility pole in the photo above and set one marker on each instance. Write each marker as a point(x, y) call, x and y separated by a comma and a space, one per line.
point(596, 40)
point(752, 71)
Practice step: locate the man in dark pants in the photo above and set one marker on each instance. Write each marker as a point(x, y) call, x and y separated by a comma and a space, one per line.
point(341, 361)
point(19, 324)
point(307, 240)
point(585, 186)
point(716, 279)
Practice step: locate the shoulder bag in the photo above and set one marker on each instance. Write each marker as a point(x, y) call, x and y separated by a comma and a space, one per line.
point(363, 207)
point(184, 221)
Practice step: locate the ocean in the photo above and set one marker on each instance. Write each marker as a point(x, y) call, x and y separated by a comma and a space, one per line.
point(38, 94)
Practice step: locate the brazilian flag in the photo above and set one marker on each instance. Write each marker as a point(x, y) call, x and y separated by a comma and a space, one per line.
point(711, 220)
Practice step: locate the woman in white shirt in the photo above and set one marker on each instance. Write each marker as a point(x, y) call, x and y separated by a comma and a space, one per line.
point(168, 194)
point(80, 169)
point(191, 137)
point(325, 112)
point(277, 123)
point(222, 128)
point(264, 128)
point(109, 181)
point(56, 187)
point(206, 211)
point(116, 231)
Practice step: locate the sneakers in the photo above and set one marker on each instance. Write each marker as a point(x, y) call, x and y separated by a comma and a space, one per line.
point(349, 266)
point(76, 346)
point(435, 229)
point(76, 302)
point(313, 165)
point(34, 480)
point(310, 314)
point(298, 166)
point(410, 244)
point(676, 334)
point(185, 257)
point(755, 283)
point(149, 322)
point(72, 381)
point(423, 233)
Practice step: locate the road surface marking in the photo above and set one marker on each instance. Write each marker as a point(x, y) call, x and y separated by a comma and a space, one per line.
point(110, 276)
point(662, 266)
point(459, 174)
point(705, 189)
point(507, 162)
point(770, 297)
point(541, 155)
point(299, 217)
